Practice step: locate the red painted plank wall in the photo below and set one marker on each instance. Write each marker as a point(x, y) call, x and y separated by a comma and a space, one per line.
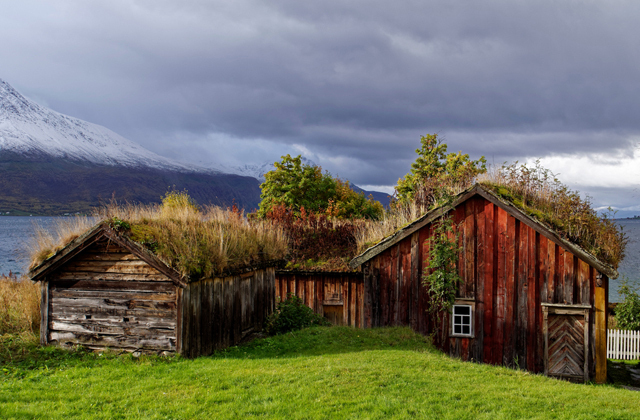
point(311, 287)
point(508, 269)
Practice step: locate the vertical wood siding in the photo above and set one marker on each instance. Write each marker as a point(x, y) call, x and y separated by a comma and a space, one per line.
point(107, 297)
point(337, 296)
point(220, 312)
point(507, 268)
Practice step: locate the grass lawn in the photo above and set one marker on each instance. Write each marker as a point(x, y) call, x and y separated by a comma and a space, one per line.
point(334, 372)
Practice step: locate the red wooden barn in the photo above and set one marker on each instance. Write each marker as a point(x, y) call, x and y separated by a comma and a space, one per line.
point(528, 299)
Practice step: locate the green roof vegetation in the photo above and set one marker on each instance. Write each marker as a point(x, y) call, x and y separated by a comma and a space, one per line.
point(195, 242)
point(538, 192)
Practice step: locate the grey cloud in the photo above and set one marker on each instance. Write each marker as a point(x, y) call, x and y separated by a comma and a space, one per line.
point(355, 83)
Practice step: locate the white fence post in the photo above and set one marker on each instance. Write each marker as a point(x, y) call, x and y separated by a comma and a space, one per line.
point(623, 345)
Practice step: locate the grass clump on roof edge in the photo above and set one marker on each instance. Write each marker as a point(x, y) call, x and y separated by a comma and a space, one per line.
point(196, 242)
point(538, 192)
point(534, 190)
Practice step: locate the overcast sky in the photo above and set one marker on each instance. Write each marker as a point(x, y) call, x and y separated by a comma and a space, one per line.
point(349, 84)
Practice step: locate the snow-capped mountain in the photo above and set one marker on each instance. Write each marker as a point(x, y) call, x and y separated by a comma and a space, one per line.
point(27, 128)
point(53, 164)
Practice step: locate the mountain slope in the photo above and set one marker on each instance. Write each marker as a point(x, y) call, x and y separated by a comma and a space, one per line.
point(51, 163)
point(27, 128)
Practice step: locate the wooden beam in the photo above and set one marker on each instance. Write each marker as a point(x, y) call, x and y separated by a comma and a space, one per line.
point(601, 330)
point(44, 313)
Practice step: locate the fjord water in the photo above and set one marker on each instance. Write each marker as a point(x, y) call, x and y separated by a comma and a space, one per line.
point(16, 232)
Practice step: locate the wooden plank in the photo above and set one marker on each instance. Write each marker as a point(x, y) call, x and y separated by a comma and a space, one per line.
point(552, 268)
point(122, 267)
point(367, 295)
point(490, 278)
point(179, 319)
point(104, 286)
point(237, 311)
point(121, 255)
point(521, 295)
point(385, 268)
point(422, 305)
point(511, 296)
point(569, 277)
point(533, 303)
point(185, 324)
point(345, 298)
point(414, 281)
point(376, 293)
point(395, 284)
point(105, 319)
point(101, 329)
point(353, 293)
point(584, 289)
point(545, 335)
point(44, 313)
point(478, 350)
point(227, 309)
point(501, 288)
point(114, 342)
point(81, 275)
point(560, 276)
point(601, 332)
point(470, 237)
point(404, 315)
point(218, 316)
point(112, 294)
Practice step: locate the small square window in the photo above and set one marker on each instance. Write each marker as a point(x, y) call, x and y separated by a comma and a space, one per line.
point(462, 320)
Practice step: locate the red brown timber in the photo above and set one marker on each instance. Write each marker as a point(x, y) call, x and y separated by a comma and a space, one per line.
point(506, 266)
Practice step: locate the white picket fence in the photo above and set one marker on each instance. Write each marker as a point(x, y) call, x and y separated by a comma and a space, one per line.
point(623, 345)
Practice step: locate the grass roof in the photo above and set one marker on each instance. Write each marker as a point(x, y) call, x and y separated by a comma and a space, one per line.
point(195, 242)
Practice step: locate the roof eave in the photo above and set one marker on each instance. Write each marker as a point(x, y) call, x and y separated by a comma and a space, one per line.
point(478, 189)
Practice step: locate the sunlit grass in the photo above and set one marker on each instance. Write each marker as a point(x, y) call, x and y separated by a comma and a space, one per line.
point(334, 372)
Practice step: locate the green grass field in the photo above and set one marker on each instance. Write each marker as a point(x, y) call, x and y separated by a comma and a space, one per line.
point(331, 373)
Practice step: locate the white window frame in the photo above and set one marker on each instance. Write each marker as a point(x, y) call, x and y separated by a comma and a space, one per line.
point(472, 312)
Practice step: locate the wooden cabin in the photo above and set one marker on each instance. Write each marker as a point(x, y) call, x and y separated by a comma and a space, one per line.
point(528, 298)
point(106, 291)
point(336, 295)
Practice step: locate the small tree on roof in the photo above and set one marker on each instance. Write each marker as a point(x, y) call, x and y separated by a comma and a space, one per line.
point(436, 174)
point(295, 186)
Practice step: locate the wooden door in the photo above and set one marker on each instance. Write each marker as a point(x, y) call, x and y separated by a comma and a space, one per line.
point(566, 331)
point(333, 305)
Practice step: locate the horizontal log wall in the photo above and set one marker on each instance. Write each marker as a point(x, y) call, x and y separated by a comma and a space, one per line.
point(220, 312)
point(508, 270)
point(106, 297)
point(338, 296)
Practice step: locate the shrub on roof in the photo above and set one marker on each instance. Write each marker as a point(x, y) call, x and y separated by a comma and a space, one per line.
point(539, 193)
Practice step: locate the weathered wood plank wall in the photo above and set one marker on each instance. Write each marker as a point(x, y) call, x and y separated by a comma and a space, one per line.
point(337, 296)
point(106, 297)
point(508, 269)
point(219, 312)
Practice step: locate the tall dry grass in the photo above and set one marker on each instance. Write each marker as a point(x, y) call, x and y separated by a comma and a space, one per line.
point(539, 193)
point(19, 305)
point(46, 242)
point(196, 242)
point(370, 232)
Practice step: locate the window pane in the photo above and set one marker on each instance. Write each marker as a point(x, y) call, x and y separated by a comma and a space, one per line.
point(466, 330)
point(463, 310)
point(457, 329)
point(457, 320)
point(466, 320)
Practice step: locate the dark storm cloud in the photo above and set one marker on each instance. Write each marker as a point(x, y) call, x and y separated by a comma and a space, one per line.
point(354, 83)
